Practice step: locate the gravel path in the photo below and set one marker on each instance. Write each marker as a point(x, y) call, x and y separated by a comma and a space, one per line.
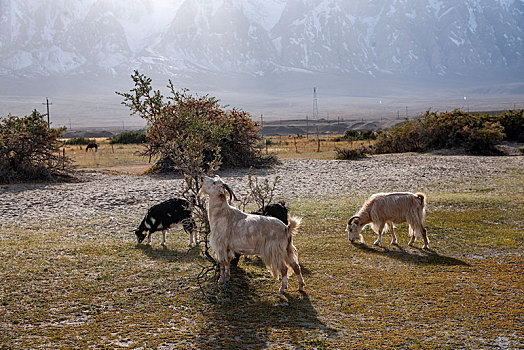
point(100, 193)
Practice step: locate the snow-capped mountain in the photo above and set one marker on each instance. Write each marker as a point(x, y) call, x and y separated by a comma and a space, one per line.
point(428, 38)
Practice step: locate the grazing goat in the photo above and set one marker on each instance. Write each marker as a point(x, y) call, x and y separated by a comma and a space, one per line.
point(235, 231)
point(382, 210)
point(92, 145)
point(165, 215)
point(276, 210)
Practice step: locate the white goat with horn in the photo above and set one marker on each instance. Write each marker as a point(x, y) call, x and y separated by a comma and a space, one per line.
point(382, 210)
point(235, 231)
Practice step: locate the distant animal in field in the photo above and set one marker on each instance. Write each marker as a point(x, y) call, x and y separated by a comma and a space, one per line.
point(276, 210)
point(165, 215)
point(382, 210)
point(93, 146)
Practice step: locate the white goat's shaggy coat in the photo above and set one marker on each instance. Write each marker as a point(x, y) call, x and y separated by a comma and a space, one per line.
point(235, 231)
point(382, 210)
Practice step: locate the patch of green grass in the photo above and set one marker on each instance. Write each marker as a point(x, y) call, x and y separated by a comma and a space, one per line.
point(79, 284)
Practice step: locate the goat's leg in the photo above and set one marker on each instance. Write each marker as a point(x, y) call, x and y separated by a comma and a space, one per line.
point(189, 227)
point(392, 228)
point(163, 238)
point(379, 233)
point(192, 240)
point(425, 238)
point(296, 268)
point(148, 242)
point(222, 274)
point(283, 271)
point(292, 260)
point(227, 272)
point(412, 234)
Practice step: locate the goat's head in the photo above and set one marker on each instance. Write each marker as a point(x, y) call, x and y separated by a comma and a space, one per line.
point(140, 235)
point(214, 186)
point(353, 229)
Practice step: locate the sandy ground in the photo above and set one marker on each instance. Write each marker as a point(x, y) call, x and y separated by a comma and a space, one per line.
point(103, 194)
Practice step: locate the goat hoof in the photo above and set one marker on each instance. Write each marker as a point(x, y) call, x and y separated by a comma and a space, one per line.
point(377, 243)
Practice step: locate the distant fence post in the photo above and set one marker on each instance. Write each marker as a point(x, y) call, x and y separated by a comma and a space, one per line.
point(318, 141)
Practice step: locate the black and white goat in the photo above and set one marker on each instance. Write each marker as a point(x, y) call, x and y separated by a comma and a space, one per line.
point(165, 215)
point(276, 210)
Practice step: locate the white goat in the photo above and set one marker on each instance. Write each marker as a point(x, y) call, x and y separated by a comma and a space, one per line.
point(235, 231)
point(382, 210)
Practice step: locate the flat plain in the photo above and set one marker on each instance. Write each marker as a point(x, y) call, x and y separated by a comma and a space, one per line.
point(72, 275)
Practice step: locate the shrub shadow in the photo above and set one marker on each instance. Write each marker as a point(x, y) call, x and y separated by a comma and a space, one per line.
point(423, 257)
point(243, 318)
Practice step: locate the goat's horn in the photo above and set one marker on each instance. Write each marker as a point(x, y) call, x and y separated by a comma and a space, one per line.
point(353, 218)
point(231, 193)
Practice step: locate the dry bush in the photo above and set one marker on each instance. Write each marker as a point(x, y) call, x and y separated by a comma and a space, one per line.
point(29, 150)
point(181, 116)
point(477, 134)
point(345, 153)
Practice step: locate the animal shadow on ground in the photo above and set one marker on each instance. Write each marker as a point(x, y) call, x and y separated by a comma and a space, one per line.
point(169, 255)
point(247, 319)
point(257, 261)
point(423, 257)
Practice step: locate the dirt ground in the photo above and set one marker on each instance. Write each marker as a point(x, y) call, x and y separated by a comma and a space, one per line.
point(73, 277)
point(101, 193)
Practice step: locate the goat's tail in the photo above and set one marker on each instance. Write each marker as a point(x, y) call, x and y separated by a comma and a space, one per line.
point(278, 252)
point(421, 197)
point(294, 224)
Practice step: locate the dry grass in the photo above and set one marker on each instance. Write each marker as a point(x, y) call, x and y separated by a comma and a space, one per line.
point(85, 283)
point(291, 146)
point(117, 158)
point(126, 158)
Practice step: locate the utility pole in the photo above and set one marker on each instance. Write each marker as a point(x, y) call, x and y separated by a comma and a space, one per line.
point(315, 104)
point(407, 115)
point(307, 128)
point(47, 104)
point(262, 130)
